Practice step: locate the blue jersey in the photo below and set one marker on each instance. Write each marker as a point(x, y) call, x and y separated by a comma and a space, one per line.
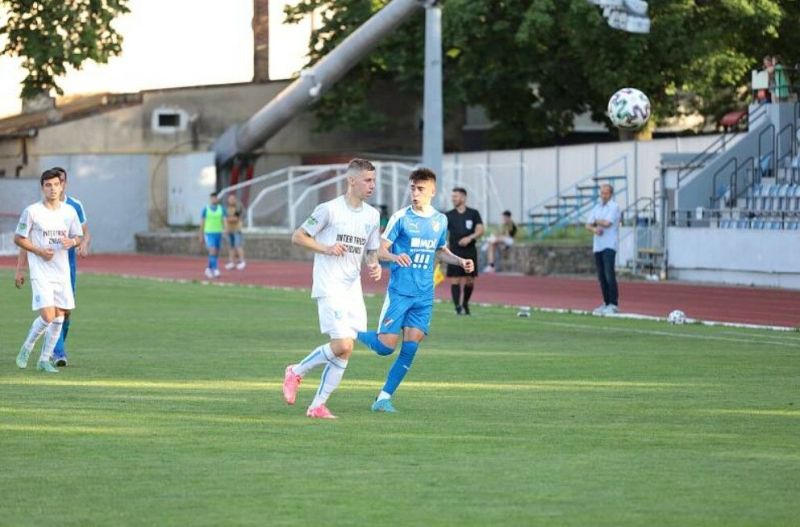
point(419, 237)
point(78, 206)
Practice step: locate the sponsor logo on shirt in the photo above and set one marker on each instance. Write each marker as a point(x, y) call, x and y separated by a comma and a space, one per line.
point(22, 226)
point(353, 244)
point(421, 243)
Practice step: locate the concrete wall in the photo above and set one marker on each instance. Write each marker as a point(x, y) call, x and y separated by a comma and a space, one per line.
point(735, 256)
point(211, 110)
point(524, 259)
point(114, 190)
point(523, 178)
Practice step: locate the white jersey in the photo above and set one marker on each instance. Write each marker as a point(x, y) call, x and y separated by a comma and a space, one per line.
point(44, 228)
point(357, 229)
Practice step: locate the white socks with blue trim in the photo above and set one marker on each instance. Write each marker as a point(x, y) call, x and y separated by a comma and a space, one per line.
point(331, 377)
point(51, 335)
point(314, 359)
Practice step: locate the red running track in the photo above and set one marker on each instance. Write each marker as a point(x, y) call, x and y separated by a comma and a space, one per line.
point(747, 305)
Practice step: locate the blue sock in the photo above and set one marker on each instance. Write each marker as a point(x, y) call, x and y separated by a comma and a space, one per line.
point(212, 261)
point(401, 366)
point(370, 339)
point(60, 349)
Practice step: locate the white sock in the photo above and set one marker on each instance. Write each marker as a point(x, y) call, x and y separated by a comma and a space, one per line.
point(331, 377)
point(37, 328)
point(51, 338)
point(315, 358)
point(383, 395)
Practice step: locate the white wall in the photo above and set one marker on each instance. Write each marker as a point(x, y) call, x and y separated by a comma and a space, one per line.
point(115, 191)
point(735, 256)
point(524, 178)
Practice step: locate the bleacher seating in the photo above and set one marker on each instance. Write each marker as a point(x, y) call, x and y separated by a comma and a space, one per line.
point(766, 199)
point(766, 206)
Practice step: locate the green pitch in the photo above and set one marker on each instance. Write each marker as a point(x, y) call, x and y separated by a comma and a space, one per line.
point(171, 414)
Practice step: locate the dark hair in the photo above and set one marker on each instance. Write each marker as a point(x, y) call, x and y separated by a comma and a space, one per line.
point(360, 165)
point(460, 189)
point(49, 174)
point(213, 194)
point(422, 174)
point(507, 213)
point(62, 170)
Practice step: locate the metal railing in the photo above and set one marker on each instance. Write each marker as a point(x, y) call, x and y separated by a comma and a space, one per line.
point(567, 206)
point(282, 199)
point(719, 144)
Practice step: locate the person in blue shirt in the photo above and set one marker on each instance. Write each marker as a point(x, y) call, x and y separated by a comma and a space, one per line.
point(414, 237)
point(60, 352)
point(603, 222)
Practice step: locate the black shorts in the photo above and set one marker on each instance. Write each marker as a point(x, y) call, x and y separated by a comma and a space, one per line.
point(456, 271)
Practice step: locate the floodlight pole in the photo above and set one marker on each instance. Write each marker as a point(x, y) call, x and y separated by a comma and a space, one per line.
point(432, 128)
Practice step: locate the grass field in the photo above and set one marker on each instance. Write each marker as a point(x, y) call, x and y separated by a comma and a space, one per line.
point(171, 414)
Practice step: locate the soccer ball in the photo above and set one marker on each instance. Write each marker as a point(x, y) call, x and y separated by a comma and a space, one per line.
point(677, 317)
point(629, 109)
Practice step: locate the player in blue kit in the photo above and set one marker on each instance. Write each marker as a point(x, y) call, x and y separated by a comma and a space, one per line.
point(414, 237)
point(60, 352)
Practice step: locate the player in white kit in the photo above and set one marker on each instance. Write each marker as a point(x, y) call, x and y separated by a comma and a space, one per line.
point(342, 233)
point(47, 230)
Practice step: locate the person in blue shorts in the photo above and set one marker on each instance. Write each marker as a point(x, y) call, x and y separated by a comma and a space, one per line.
point(414, 237)
point(60, 352)
point(212, 225)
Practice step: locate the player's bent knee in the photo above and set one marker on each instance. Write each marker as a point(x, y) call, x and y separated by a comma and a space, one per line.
point(342, 347)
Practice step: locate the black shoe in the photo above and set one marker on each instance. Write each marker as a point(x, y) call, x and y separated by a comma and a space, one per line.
point(458, 310)
point(61, 362)
point(466, 309)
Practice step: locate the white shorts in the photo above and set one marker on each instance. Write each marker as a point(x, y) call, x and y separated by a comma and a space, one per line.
point(342, 317)
point(52, 294)
point(508, 241)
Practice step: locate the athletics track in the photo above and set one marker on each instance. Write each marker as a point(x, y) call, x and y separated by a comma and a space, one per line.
point(746, 305)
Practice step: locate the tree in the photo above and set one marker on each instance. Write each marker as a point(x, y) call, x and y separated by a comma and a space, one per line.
point(52, 34)
point(535, 64)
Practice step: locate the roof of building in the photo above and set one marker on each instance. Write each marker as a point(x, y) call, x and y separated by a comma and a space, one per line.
point(66, 109)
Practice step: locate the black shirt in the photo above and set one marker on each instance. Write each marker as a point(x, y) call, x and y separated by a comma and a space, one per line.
point(460, 225)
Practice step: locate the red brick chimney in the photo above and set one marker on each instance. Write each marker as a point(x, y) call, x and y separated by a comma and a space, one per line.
point(260, 40)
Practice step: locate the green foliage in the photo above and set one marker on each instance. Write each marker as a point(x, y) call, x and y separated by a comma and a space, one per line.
point(535, 64)
point(51, 35)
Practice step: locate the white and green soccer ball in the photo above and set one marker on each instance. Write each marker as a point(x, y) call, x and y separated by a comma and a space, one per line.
point(677, 317)
point(629, 109)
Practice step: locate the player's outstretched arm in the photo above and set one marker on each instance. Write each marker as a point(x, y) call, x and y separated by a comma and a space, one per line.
point(301, 238)
point(202, 231)
point(402, 259)
point(22, 261)
point(374, 268)
point(83, 248)
point(448, 257)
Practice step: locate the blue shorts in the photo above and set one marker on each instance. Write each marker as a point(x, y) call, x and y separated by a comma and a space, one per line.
point(400, 311)
point(235, 239)
point(73, 277)
point(213, 240)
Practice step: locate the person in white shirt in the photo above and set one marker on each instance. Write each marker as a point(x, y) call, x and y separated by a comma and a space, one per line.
point(342, 233)
point(47, 230)
point(604, 223)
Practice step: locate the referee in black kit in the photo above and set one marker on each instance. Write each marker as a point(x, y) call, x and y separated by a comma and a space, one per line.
point(464, 226)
